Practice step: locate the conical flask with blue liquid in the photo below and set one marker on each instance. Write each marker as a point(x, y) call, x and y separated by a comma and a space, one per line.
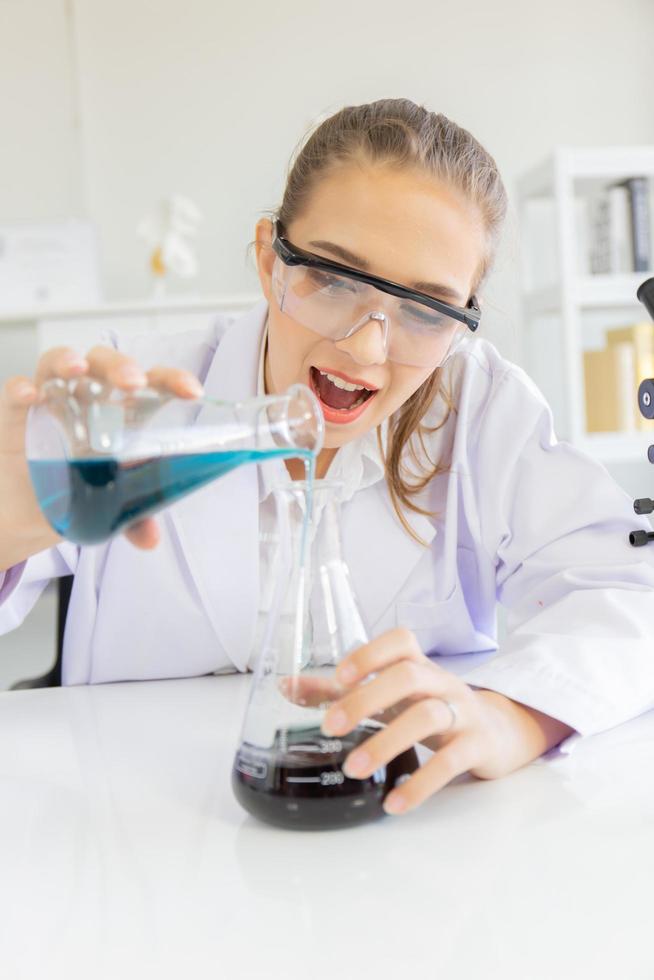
point(101, 458)
point(286, 771)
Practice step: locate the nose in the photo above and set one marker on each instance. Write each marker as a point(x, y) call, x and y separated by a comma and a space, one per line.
point(366, 342)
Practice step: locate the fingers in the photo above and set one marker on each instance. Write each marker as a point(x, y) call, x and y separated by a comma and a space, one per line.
point(17, 394)
point(412, 726)
point(104, 363)
point(401, 680)
point(455, 758)
point(60, 362)
point(383, 650)
point(144, 534)
point(116, 369)
point(179, 382)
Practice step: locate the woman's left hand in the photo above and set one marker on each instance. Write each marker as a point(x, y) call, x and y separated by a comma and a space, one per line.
point(410, 693)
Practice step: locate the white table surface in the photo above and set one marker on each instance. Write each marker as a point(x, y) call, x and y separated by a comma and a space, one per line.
point(124, 854)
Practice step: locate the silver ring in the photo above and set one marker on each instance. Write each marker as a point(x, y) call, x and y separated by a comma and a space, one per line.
point(454, 713)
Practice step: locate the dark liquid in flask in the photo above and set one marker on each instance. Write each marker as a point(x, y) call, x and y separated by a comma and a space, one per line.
point(300, 783)
point(88, 500)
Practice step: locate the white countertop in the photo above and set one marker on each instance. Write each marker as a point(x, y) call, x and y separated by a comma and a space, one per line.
point(123, 854)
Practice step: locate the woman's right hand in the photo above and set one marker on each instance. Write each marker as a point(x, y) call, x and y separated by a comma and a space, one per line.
point(24, 530)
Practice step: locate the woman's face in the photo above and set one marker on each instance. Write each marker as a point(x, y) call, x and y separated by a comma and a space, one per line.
point(407, 227)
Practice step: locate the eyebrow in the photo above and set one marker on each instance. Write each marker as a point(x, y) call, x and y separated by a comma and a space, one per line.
point(355, 260)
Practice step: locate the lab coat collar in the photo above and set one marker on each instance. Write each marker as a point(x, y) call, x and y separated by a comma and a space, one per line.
point(227, 512)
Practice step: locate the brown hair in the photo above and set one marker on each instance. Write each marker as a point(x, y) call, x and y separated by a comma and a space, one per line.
point(400, 133)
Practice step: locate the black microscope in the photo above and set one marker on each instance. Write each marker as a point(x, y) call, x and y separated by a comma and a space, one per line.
point(646, 404)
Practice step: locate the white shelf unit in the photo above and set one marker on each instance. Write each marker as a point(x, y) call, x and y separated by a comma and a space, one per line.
point(26, 334)
point(566, 308)
point(135, 308)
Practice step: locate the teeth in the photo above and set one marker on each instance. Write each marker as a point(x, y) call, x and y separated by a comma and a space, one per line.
point(345, 385)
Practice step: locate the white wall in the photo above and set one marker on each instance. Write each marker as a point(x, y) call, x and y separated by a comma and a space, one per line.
point(210, 98)
point(39, 176)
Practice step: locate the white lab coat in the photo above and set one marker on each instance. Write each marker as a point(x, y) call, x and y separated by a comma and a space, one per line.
point(522, 519)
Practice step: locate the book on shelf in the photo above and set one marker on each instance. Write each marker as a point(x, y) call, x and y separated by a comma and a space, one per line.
point(619, 232)
point(610, 397)
point(639, 211)
point(612, 376)
point(599, 234)
point(641, 337)
point(621, 251)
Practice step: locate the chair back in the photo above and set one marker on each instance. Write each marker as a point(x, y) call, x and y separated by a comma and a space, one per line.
point(53, 677)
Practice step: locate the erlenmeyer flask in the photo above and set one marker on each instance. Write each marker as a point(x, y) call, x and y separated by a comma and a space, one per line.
point(101, 458)
point(285, 770)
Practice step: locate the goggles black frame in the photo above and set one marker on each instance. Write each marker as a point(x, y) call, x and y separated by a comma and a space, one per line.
point(292, 255)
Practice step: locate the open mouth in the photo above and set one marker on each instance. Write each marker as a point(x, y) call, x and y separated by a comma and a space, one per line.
point(342, 399)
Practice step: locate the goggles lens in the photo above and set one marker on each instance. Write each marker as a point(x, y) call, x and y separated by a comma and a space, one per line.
point(336, 306)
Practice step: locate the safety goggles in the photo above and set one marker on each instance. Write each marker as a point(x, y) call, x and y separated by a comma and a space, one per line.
point(335, 301)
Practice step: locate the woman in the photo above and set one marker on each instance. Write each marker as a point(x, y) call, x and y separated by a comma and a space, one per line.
point(456, 491)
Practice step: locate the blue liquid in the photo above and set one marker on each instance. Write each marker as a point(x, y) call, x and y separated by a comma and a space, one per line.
point(89, 500)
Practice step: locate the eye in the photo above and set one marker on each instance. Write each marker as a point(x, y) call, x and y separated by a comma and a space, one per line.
point(422, 316)
point(330, 283)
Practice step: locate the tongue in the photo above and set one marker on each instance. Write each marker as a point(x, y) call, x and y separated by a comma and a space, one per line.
point(333, 396)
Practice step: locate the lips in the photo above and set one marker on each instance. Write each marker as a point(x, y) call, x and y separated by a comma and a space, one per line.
point(342, 399)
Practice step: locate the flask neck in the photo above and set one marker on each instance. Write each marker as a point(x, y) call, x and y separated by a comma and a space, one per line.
point(328, 623)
